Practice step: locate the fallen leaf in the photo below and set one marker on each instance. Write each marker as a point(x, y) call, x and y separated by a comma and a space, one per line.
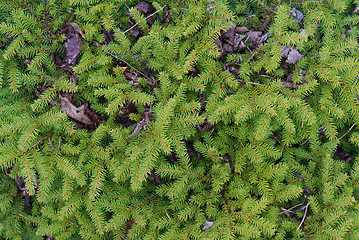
point(142, 124)
point(77, 113)
point(292, 54)
point(108, 37)
point(73, 45)
point(238, 42)
point(146, 9)
point(254, 36)
point(297, 15)
point(241, 29)
point(77, 29)
point(207, 225)
point(257, 37)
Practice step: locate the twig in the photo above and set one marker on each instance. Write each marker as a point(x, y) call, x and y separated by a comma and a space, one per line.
point(304, 142)
point(119, 58)
point(347, 132)
point(305, 214)
point(289, 209)
point(96, 62)
point(146, 19)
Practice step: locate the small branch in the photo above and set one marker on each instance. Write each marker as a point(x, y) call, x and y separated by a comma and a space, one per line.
point(347, 132)
point(121, 59)
point(305, 214)
point(146, 19)
point(289, 210)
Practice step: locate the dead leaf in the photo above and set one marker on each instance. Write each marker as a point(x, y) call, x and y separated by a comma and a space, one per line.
point(241, 29)
point(166, 16)
point(77, 29)
point(146, 9)
point(205, 126)
point(73, 45)
point(72, 111)
point(292, 54)
point(130, 107)
point(289, 85)
point(254, 36)
point(153, 176)
point(142, 124)
point(238, 42)
point(297, 15)
point(257, 37)
point(207, 225)
point(108, 37)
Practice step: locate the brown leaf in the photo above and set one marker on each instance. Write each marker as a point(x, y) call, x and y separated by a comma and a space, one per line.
point(153, 176)
point(289, 85)
point(130, 107)
point(166, 16)
point(142, 124)
point(238, 41)
point(108, 37)
point(73, 45)
point(72, 111)
point(146, 9)
point(77, 29)
point(297, 15)
point(254, 36)
point(241, 29)
point(292, 54)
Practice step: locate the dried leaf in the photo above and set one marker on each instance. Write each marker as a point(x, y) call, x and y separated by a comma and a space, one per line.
point(254, 36)
point(142, 124)
point(292, 54)
point(289, 84)
point(72, 111)
point(241, 29)
point(207, 225)
point(108, 37)
point(297, 15)
point(238, 41)
point(146, 9)
point(73, 45)
point(77, 29)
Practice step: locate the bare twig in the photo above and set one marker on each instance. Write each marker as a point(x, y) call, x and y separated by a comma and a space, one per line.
point(146, 19)
point(347, 132)
point(119, 58)
point(289, 210)
point(305, 214)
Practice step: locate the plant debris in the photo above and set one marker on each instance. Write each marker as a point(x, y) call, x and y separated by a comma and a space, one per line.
point(77, 113)
point(297, 15)
point(292, 54)
point(73, 45)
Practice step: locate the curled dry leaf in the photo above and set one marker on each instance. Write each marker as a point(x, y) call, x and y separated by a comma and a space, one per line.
point(142, 124)
point(77, 113)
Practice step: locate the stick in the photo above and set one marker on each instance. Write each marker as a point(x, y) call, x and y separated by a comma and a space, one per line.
point(347, 132)
point(305, 214)
point(146, 18)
